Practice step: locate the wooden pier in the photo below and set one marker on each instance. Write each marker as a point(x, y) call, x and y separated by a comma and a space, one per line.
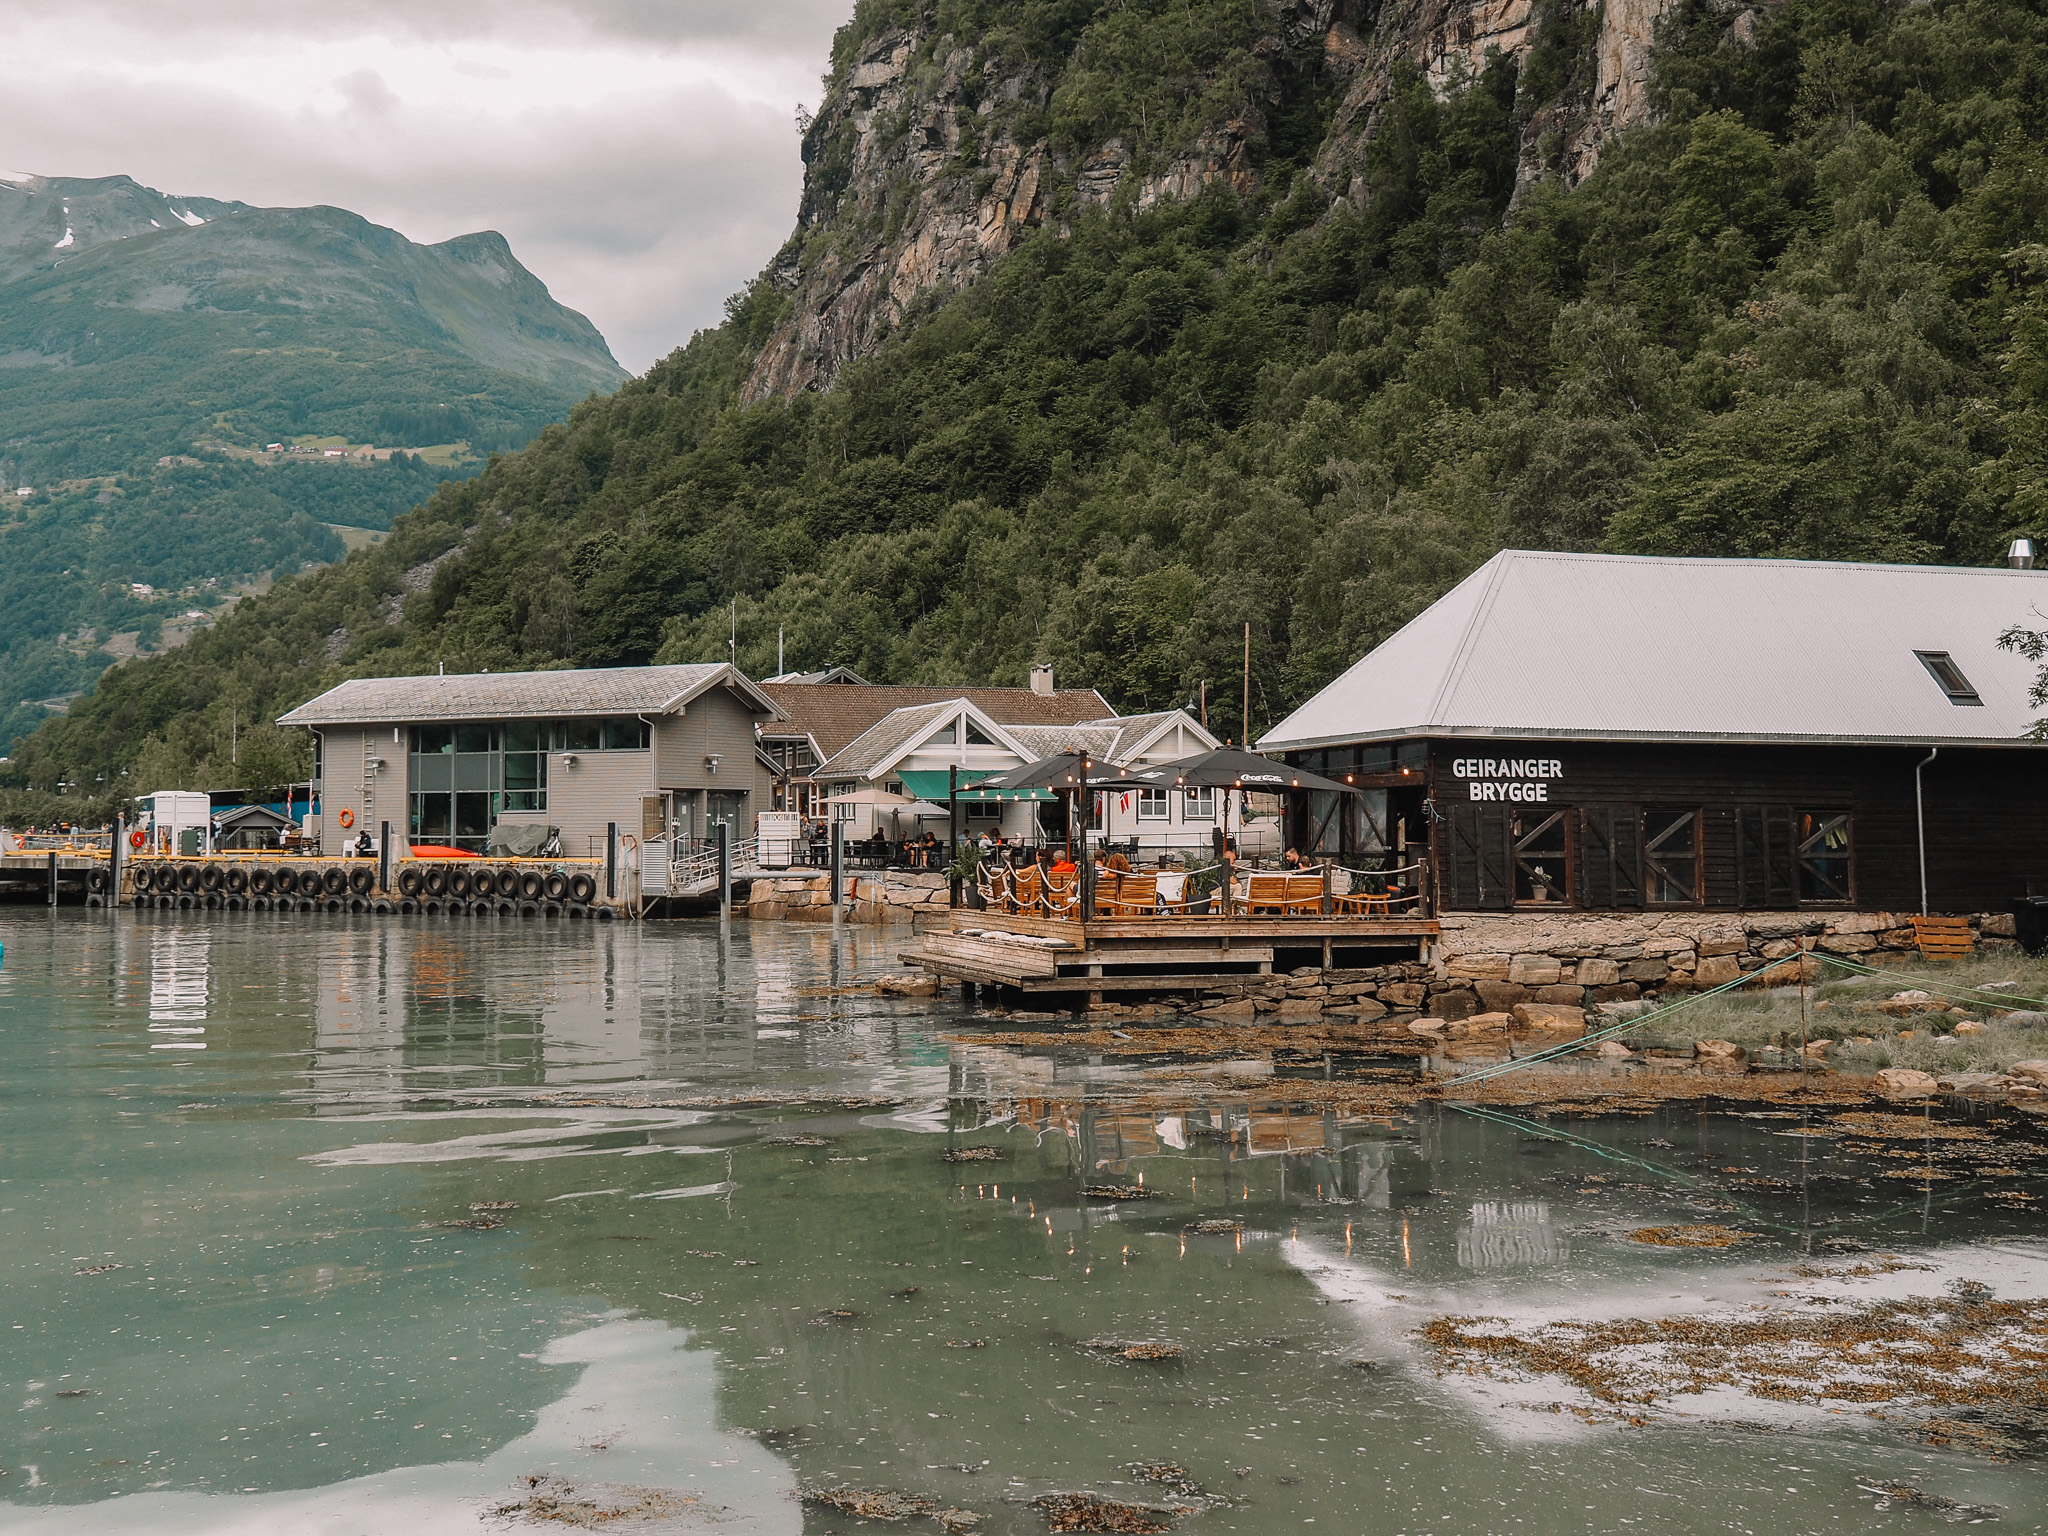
point(1152, 955)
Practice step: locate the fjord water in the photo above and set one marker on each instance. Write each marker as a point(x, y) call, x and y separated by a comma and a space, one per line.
point(246, 1288)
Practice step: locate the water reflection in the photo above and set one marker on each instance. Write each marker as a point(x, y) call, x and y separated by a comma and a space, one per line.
point(178, 986)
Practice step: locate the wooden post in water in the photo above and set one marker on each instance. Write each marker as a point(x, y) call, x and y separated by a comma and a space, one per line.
point(724, 872)
point(611, 859)
point(116, 856)
point(838, 862)
point(53, 877)
point(953, 832)
point(384, 858)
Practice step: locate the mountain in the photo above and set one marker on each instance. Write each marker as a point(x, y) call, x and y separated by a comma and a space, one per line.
point(151, 346)
point(1109, 329)
point(133, 325)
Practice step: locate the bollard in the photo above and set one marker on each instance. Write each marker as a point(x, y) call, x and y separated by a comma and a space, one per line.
point(115, 855)
point(611, 859)
point(724, 871)
point(838, 864)
point(53, 879)
point(384, 858)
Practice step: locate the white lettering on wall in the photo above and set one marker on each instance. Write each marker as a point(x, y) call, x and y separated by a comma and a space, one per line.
point(1524, 780)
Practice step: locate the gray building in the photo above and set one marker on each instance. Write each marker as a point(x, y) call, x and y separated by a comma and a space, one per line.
point(656, 751)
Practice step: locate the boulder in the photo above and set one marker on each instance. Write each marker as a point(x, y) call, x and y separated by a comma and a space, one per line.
point(1725, 942)
point(1402, 994)
point(1535, 971)
point(1550, 1018)
point(1498, 996)
point(1481, 1025)
point(1293, 1010)
point(1644, 970)
point(1904, 1083)
point(909, 984)
point(1622, 992)
point(1969, 1027)
point(1614, 1050)
point(1718, 1050)
point(1969, 1082)
point(1567, 992)
point(1597, 973)
point(2029, 1071)
point(1428, 1029)
point(1361, 1008)
point(1716, 970)
point(2026, 1018)
point(1239, 1010)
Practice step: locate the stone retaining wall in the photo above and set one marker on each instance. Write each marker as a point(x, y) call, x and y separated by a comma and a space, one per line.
point(1487, 963)
point(876, 896)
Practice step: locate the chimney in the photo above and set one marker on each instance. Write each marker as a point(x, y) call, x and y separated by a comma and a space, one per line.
point(1041, 673)
point(2020, 557)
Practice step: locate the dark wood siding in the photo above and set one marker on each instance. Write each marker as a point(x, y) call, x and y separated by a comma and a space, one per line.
point(1986, 819)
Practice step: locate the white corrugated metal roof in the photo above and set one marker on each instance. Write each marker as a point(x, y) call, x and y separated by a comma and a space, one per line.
point(1630, 647)
point(521, 695)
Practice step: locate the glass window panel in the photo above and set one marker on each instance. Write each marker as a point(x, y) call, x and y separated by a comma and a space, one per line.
point(475, 770)
point(432, 818)
point(524, 736)
point(1671, 856)
point(433, 738)
point(473, 738)
point(436, 772)
point(581, 735)
point(1824, 853)
point(1152, 805)
point(1198, 805)
point(945, 736)
point(625, 735)
point(472, 816)
point(977, 737)
point(523, 770)
point(1542, 859)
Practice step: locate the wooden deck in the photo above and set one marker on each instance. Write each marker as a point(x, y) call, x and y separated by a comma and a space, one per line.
point(1165, 954)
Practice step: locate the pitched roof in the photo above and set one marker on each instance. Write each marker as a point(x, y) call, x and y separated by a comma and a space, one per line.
point(1628, 647)
point(521, 695)
point(892, 737)
point(1117, 739)
point(834, 714)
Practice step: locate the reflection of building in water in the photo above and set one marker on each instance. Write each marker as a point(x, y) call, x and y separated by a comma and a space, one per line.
point(1503, 1233)
point(178, 973)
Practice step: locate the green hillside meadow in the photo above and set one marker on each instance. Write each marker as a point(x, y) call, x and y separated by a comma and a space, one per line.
point(1801, 314)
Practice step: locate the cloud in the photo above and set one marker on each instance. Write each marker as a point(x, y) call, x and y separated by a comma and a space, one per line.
point(640, 155)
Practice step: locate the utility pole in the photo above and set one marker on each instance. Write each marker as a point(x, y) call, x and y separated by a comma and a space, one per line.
point(732, 644)
point(778, 650)
point(1204, 696)
point(1246, 743)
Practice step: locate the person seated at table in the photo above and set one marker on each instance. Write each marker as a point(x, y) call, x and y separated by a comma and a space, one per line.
point(1063, 863)
point(1119, 863)
point(929, 850)
point(1292, 859)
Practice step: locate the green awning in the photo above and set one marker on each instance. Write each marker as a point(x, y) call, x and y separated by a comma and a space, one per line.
point(930, 784)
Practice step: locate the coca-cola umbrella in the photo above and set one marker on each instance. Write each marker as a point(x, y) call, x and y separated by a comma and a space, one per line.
point(1234, 768)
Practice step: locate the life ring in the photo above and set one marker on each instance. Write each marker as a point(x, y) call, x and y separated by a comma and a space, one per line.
point(347, 819)
point(138, 838)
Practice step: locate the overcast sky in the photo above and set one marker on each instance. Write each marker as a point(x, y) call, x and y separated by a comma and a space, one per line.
point(640, 155)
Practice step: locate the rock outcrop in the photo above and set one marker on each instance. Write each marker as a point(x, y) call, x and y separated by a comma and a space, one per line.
point(918, 180)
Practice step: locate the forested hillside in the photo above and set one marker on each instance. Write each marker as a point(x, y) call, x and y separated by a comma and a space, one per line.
point(1307, 385)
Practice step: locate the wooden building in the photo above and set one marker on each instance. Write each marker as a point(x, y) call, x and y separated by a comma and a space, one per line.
point(660, 753)
point(1601, 732)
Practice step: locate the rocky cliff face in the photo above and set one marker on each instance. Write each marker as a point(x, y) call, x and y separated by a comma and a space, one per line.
point(919, 178)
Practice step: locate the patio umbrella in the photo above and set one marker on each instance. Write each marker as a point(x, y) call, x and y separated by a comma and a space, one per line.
point(880, 797)
point(1063, 770)
point(1235, 768)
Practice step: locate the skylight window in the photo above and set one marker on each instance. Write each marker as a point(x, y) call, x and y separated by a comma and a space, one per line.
point(1942, 668)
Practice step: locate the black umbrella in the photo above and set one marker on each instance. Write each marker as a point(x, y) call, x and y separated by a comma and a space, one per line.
point(1233, 768)
point(1063, 770)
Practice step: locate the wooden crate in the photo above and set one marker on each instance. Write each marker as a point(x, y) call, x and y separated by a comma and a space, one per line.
point(1944, 938)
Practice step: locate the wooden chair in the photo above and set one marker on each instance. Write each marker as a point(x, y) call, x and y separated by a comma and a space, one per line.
point(1026, 889)
point(1136, 896)
point(1364, 904)
point(1305, 895)
point(993, 881)
point(1944, 938)
point(1107, 884)
point(1265, 893)
point(1063, 895)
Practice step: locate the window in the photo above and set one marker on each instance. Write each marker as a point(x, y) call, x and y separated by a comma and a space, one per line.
point(1198, 805)
point(1671, 857)
point(464, 777)
point(842, 811)
point(977, 737)
point(624, 734)
point(945, 736)
point(1542, 843)
point(1151, 805)
point(983, 810)
point(1824, 852)
point(1942, 668)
